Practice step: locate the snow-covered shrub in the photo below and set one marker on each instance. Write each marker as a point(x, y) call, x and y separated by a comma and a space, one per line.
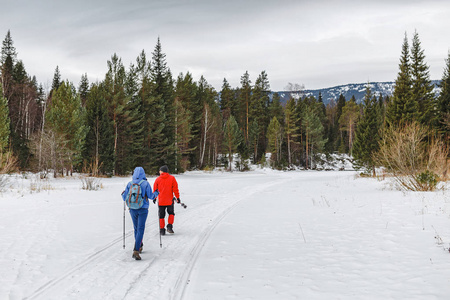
point(91, 183)
point(39, 183)
point(3, 182)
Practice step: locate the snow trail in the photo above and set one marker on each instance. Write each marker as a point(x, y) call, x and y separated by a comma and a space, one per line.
point(162, 273)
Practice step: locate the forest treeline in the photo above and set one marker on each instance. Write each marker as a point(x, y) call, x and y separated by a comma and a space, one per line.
point(143, 115)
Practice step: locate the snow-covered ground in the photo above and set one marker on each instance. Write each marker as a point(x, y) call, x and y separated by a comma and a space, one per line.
point(256, 235)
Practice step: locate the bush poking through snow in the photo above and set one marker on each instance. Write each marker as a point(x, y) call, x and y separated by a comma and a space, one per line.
point(3, 182)
point(415, 158)
point(428, 180)
point(91, 183)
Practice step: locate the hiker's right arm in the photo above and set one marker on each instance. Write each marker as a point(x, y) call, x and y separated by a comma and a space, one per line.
point(125, 192)
point(149, 193)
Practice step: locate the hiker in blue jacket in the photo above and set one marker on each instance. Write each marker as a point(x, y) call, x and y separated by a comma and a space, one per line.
point(139, 216)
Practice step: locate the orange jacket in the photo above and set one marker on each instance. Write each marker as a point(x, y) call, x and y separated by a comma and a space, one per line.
point(167, 186)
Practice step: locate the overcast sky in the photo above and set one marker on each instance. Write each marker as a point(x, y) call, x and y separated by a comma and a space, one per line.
point(314, 43)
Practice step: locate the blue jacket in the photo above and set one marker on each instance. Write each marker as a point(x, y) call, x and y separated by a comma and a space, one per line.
point(138, 175)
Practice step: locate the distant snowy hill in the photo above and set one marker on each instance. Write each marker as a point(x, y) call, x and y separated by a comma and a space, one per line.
point(353, 89)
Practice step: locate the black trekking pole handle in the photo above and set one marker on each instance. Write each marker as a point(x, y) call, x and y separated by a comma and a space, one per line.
point(181, 203)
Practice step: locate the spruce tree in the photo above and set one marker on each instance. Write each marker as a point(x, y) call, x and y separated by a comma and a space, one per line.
point(348, 120)
point(244, 98)
point(367, 134)
point(56, 79)
point(341, 135)
point(275, 137)
point(98, 152)
point(4, 123)
point(8, 59)
point(117, 99)
point(444, 103)
point(291, 129)
point(258, 111)
point(402, 108)
point(313, 131)
point(83, 89)
point(163, 92)
point(187, 107)
point(422, 87)
point(66, 119)
point(226, 100)
point(276, 109)
point(232, 139)
point(135, 119)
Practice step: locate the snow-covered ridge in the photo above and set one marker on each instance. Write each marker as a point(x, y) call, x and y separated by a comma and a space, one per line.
point(348, 90)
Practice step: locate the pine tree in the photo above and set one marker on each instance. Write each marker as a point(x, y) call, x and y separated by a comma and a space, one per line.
point(4, 123)
point(258, 110)
point(348, 120)
point(402, 108)
point(367, 136)
point(232, 139)
point(65, 118)
point(8, 60)
point(185, 103)
point(226, 100)
point(291, 129)
point(163, 91)
point(135, 130)
point(341, 135)
point(56, 79)
point(118, 109)
point(99, 145)
point(444, 103)
point(83, 89)
point(275, 137)
point(210, 109)
point(313, 130)
point(244, 98)
point(276, 109)
point(422, 87)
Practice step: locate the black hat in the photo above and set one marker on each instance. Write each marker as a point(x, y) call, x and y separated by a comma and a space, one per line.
point(165, 169)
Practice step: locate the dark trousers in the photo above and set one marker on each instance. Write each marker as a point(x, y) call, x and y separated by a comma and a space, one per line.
point(162, 214)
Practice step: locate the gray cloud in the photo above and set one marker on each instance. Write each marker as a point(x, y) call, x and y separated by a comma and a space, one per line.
point(315, 43)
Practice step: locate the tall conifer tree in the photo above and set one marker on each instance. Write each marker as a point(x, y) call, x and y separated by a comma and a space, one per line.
point(83, 88)
point(444, 103)
point(99, 146)
point(367, 134)
point(402, 108)
point(66, 119)
point(291, 129)
point(4, 123)
point(163, 91)
point(422, 87)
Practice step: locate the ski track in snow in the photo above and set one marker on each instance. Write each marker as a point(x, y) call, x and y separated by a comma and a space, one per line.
point(162, 273)
point(346, 238)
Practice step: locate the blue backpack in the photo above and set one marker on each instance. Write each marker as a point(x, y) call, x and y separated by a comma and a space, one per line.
point(135, 199)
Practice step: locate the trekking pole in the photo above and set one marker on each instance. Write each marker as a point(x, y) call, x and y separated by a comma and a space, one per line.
point(181, 203)
point(124, 224)
point(159, 227)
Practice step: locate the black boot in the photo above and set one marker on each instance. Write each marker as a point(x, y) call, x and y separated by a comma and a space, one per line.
point(141, 248)
point(169, 228)
point(162, 231)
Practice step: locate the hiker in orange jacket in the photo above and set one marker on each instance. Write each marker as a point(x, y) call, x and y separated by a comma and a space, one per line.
point(167, 186)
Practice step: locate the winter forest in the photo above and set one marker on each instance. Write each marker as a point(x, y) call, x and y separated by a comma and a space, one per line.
point(144, 115)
